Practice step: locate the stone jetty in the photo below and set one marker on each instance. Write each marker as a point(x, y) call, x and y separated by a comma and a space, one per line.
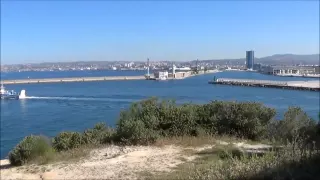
point(295, 85)
point(73, 79)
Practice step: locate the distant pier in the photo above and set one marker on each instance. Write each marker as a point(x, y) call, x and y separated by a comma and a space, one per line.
point(73, 79)
point(178, 75)
point(294, 85)
point(300, 75)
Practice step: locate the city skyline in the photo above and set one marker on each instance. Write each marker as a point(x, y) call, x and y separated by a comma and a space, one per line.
point(35, 32)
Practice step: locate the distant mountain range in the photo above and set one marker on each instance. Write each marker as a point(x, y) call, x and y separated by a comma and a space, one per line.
point(284, 59)
point(290, 59)
point(277, 59)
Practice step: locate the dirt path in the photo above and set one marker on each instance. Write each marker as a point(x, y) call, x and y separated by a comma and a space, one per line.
point(111, 162)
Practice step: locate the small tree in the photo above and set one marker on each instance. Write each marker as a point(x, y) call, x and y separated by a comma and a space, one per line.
point(296, 126)
point(67, 140)
point(30, 148)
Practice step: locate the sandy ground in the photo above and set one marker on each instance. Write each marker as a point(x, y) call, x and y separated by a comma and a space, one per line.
point(112, 162)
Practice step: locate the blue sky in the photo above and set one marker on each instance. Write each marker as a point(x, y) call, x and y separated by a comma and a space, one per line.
point(35, 31)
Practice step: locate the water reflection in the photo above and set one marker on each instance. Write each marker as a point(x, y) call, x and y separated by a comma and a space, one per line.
point(23, 105)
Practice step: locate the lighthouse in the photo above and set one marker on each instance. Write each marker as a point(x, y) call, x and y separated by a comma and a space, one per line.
point(173, 71)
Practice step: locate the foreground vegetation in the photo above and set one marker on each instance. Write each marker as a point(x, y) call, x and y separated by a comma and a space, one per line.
point(149, 121)
point(228, 162)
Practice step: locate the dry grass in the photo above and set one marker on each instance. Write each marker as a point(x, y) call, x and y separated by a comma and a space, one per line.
point(206, 158)
point(227, 162)
point(185, 141)
point(69, 156)
point(197, 141)
point(202, 158)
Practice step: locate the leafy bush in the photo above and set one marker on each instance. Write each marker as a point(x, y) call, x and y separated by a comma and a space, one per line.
point(139, 124)
point(179, 120)
point(150, 119)
point(135, 132)
point(30, 148)
point(246, 119)
point(67, 140)
point(295, 126)
point(100, 134)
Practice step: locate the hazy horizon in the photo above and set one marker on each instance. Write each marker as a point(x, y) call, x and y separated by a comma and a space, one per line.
point(70, 31)
point(145, 60)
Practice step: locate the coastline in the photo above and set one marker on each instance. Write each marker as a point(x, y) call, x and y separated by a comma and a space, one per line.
point(86, 79)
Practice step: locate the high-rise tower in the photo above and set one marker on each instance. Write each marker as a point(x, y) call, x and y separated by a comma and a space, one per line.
point(249, 59)
point(148, 65)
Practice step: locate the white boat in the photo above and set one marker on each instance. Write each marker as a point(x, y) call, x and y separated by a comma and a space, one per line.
point(5, 94)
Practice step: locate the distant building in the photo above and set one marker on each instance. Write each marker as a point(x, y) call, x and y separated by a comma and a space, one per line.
point(249, 59)
point(290, 70)
point(181, 75)
point(173, 69)
point(161, 75)
point(257, 67)
point(182, 69)
point(317, 69)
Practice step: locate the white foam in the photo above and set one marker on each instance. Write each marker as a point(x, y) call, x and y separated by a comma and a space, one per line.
point(78, 98)
point(58, 98)
point(22, 94)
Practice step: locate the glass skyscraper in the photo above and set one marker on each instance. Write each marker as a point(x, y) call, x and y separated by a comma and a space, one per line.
point(249, 59)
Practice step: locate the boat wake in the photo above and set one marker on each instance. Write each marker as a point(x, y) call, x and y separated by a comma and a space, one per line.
point(79, 98)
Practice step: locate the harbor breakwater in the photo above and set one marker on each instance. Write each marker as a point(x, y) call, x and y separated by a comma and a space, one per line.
point(99, 78)
point(294, 85)
point(73, 79)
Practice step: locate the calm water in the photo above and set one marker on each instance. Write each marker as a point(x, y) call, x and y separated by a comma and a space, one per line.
point(60, 74)
point(76, 106)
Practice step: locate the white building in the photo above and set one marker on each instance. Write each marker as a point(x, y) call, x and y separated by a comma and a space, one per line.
point(183, 69)
point(300, 70)
point(161, 75)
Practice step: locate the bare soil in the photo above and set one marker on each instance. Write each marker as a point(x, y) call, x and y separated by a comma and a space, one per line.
point(110, 162)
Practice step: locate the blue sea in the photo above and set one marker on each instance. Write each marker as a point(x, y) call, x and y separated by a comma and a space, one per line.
point(55, 107)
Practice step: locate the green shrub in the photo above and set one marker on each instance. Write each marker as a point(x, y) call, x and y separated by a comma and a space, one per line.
point(149, 119)
point(135, 132)
point(140, 123)
point(246, 119)
point(31, 148)
point(67, 140)
point(178, 120)
point(100, 134)
point(295, 126)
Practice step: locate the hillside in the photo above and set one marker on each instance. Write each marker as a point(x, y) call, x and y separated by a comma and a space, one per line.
point(290, 59)
point(278, 59)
